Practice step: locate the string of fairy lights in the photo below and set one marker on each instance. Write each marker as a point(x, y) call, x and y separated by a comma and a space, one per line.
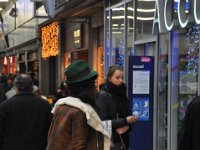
point(50, 40)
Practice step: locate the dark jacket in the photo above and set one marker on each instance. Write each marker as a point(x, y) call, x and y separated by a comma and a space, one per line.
point(69, 131)
point(24, 122)
point(115, 106)
point(190, 139)
point(2, 97)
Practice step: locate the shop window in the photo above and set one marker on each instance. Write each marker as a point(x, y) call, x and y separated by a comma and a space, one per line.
point(12, 64)
point(32, 56)
point(67, 59)
point(118, 39)
point(100, 66)
point(113, 2)
point(107, 40)
point(162, 102)
point(119, 25)
point(130, 30)
point(79, 55)
point(184, 84)
point(22, 65)
point(144, 19)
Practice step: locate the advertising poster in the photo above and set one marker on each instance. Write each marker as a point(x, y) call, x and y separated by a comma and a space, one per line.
point(140, 108)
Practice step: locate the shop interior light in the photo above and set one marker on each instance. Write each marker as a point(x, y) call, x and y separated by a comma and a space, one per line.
point(146, 10)
point(1, 9)
point(115, 25)
point(11, 59)
point(131, 17)
point(116, 32)
point(4, 0)
point(130, 8)
point(118, 9)
point(145, 18)
point(142, 10)
point(5, 61)
point(146, 0)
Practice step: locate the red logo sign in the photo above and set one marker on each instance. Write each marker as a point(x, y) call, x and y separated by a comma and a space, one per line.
point(145, 59)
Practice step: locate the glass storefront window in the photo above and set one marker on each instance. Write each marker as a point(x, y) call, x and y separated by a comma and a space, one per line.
point(107, 41)
point(130, 30)
point(162, 91)
point(119, 32)
point(144, 19)
point(118, 39)
point(113, 2)
point(184, 76)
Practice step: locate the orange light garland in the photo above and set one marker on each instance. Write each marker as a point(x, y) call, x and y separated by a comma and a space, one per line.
point(50, 40)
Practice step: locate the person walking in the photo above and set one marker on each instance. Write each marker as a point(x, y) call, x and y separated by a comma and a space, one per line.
point(24, 119)
point(113, 104)
point(76, 125)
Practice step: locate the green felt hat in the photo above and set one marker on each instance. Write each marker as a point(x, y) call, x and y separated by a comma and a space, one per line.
point(78, 71)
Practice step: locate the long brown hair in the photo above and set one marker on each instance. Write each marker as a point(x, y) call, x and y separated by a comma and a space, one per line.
point(112, 70)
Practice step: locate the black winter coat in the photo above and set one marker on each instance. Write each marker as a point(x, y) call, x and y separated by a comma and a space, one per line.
point(24, 122)
point(111, 105)
point(190, 139)
point(2, 97)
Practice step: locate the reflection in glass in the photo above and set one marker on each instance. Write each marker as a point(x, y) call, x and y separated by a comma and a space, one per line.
point(144, 20)
point(118, 45)
point(130, 30)
point(107, 41)
point(185, 59)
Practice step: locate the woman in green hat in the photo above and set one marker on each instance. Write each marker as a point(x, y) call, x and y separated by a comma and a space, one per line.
point(76, 125)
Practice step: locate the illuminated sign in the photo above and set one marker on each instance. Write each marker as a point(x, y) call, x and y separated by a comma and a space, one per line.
point(165, 20)
point(77, 36)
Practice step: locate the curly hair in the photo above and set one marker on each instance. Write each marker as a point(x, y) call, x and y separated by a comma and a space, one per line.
point(85, 90)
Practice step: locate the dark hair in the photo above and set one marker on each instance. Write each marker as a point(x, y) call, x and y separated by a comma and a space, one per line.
point(84, 90)
point(23, 83)
point(112, 70)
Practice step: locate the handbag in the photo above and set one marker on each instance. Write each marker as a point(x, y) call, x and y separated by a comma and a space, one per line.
point(119, 146)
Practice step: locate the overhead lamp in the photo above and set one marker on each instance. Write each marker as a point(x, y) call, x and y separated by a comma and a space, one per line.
point(4, 0)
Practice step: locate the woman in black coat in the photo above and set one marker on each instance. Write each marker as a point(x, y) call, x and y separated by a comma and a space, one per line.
point(113, 104)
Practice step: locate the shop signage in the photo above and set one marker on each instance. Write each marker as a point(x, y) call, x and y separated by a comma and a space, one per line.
point(164, 19)
point(77, 36)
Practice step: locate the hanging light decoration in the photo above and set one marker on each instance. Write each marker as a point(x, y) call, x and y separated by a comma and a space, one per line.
point(50, 40)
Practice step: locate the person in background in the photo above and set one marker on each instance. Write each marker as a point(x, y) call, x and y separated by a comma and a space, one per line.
point(190, 137)
point(113, 104)
point(10, 93)
point(35, 82)
point(9, 82)
point(2, 94)
point(75, 125)
point(37, 92)
point(24, 119)
point(62, 91)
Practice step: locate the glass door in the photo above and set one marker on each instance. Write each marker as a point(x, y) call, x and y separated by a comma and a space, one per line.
point(183, 79)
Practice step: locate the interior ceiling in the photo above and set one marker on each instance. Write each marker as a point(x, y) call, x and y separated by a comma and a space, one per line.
point(3, 5)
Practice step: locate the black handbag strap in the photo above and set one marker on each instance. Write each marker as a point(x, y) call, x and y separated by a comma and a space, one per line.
point(122, 141)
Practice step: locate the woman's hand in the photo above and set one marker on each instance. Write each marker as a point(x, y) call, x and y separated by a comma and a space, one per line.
point(131, 119)
point(122, 130)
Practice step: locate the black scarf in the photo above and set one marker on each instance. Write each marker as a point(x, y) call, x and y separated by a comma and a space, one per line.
point(119, 90)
